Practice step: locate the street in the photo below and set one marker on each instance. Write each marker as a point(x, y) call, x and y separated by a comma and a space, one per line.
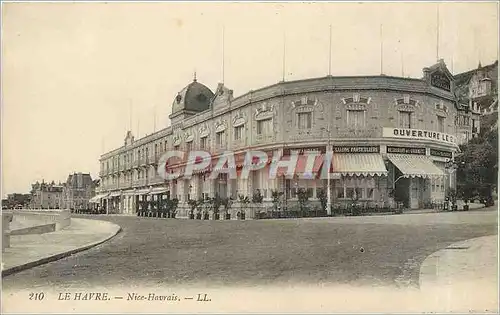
point(362, 251)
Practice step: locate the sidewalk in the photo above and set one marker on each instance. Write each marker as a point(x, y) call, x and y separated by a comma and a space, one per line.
point(27, 251)
point(463, 277)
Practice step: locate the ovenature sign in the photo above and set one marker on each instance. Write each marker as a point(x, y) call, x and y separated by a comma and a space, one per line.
point(356, 149)
point(413, 134)
point(405, 150)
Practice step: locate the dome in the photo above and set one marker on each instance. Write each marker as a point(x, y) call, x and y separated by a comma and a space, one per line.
point(195, 97)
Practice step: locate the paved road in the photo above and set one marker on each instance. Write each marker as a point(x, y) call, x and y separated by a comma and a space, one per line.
point(386, 251)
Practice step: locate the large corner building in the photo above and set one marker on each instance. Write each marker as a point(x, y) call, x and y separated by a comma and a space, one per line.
point(390, 136)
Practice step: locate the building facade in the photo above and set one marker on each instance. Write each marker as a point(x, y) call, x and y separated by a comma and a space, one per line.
point(391, 136)
point(17, 200)
point(78, 190)
point(46, 195)
point(479, 88)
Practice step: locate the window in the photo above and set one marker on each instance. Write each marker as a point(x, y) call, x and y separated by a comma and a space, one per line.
point(340, 193)
point(440, 124)
point(176, 147)
point(369, 193)
point(356, 119)
point(189, 146)
point(359, 192)
point(305, 120)
point(203, 143)
point(405, 120)
point(238, 132)
point(265, 126)
point(350, 193)
point(165, 146)
point(310, 192)
point(219, 138)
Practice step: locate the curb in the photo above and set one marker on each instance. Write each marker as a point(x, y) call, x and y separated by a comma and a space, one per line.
point(432, 260)
point(31, 264)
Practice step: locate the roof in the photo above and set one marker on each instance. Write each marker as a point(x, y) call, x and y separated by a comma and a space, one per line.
point(194, 97)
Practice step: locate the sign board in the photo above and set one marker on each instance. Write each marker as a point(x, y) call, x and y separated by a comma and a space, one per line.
point(405, 150)
point(445, 154)
point(441, 81)
point(356, 149)
point(321, 149)
point(417, 134)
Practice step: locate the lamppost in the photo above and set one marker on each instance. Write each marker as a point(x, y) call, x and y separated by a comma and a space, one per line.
point(451, 166)
point(328, 185)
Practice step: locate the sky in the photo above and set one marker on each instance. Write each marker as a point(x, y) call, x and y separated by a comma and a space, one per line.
point(77, 76)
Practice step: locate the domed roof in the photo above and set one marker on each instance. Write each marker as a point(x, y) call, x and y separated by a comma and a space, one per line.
point(194, 97)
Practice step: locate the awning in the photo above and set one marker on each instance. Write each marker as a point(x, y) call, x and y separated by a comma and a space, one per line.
point(142, 191)
point(358, 164)
point(158, 190)
point(98, 198)
point(415, 165)
point(128, 193)
point(302, 168)
point(115, 194)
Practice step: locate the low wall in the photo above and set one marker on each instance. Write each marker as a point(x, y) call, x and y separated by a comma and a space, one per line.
point(37, 229)
point(6, 219)
point(61, 218)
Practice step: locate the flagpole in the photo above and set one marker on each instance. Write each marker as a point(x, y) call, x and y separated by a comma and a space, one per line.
point(330, 54)
point(284, 59)
point(437, 33)
point(223, 53)
point(381, 50)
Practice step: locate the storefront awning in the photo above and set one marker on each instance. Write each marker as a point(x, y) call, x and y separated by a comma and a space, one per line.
point(98, 198)
point(115, 194)
point(304, 167)
point(128, 193)
point(158, 190)
point(415, 165)
point(358, 164)
point(142, 191)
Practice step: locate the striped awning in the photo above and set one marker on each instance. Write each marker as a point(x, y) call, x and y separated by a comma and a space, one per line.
point(304, 167)
point(415, 165)
point(158, 190)
point(144, 191)
point(98, 198)
point(358, 164)
point(115, 194)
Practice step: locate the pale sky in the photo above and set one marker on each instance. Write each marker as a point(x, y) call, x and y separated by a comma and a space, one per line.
point(72, 71)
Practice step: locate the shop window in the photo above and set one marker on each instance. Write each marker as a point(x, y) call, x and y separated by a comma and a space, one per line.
point(310, 192)
point(265, 126)
point(356, 119)
point(305, 120)
point(340, 193)
point(238, 132)
point(350, 193)
point(440, 121)
point(359, 193)
point(405, 120)
point(369, 193)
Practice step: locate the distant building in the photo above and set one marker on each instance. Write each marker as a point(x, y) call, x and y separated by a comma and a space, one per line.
point(16, 199)
point(46, 196)
point(478, 88)
point(78, 190)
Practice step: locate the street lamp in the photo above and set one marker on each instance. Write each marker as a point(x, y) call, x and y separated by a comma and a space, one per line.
point(328, 185)
point(451, 166)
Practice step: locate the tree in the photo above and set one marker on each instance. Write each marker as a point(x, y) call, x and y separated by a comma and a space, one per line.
point(303, 198)
point(193, 204)
point(244, 201)
point(478, 165)
point(276, 198)
point(323, 198)
point(227, 203)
